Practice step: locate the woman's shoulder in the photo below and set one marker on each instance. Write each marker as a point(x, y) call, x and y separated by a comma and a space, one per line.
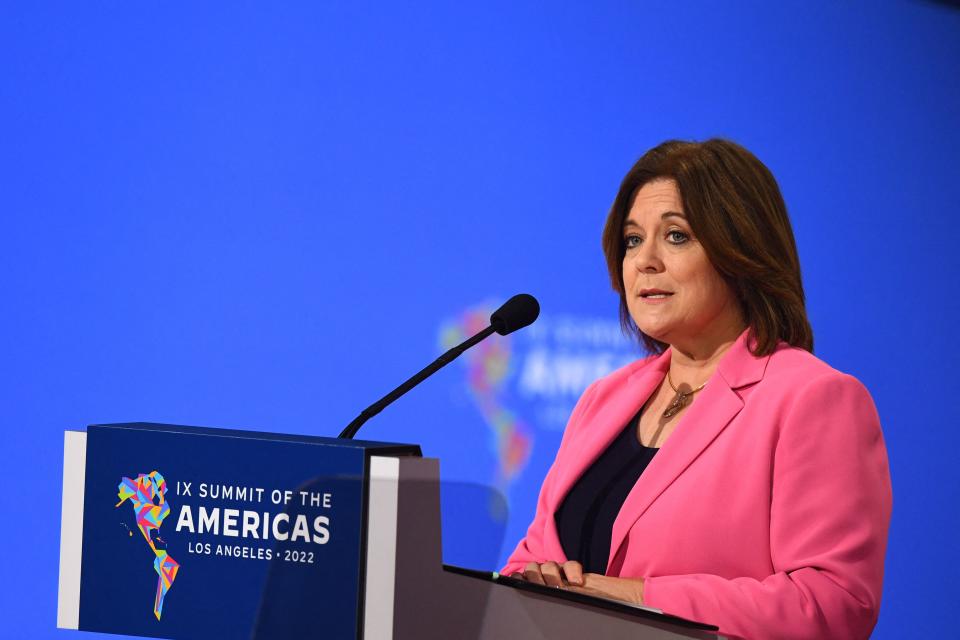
point(801, 369)
point(806, 395)
point(615, 382)
point(631, 368)
point(616, 378)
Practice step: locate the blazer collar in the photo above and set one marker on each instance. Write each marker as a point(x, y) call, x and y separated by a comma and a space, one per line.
point(739, 367)
point(706, 418)
point(611, 416)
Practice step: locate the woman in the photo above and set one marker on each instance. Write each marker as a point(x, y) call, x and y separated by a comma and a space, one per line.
point(731, 477)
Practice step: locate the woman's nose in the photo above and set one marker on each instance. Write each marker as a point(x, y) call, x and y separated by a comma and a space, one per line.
point(646, 258)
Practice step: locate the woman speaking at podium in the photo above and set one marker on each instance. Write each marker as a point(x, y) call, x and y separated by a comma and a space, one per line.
point(731, 477)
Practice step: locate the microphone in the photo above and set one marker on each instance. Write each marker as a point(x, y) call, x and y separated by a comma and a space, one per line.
point(516, 313)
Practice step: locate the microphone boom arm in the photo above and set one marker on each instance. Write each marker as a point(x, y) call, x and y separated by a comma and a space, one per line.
point(423, 374)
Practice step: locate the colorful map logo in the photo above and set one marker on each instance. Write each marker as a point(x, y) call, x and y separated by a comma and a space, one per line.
point(147, 495)
point(526, 384)
point(488, 365)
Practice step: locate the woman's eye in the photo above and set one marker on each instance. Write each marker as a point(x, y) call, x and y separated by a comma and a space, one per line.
point(632, 241)
point(677, 237)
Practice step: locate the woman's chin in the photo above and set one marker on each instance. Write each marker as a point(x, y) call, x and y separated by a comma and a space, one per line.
point(658, 333)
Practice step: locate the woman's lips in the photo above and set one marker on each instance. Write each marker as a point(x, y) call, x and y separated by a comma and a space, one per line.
point(655, 296)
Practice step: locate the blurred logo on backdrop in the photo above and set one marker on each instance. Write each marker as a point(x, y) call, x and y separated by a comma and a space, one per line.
point(527, 383)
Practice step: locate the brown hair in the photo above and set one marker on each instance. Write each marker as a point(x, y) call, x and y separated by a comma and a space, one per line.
point(735, 209)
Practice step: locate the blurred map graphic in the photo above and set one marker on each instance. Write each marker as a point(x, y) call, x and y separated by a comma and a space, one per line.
point(526, 384)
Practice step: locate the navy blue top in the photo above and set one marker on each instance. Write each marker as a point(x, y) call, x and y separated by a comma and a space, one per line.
point(585, 518)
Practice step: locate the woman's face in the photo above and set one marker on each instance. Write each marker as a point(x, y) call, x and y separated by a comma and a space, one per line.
point(673, 292)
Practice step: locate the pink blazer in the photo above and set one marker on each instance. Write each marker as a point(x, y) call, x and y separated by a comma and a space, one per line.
point(765, 512)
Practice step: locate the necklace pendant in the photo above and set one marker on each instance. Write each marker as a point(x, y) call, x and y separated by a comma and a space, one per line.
point(679, 402)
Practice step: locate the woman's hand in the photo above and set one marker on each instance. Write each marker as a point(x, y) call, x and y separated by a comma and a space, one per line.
point(552, 574)
point(623, 589)
point(570, 576)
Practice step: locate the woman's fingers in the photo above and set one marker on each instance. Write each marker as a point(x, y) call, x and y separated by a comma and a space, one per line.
point(531, 573)
point(552, 574)
point(573, 571)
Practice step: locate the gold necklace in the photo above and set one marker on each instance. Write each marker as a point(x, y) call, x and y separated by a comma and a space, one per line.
point(680, 400)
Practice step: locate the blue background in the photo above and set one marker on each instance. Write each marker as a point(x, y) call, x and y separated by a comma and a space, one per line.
point(260, 215)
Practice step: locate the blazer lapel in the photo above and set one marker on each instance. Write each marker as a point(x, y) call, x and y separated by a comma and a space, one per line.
point(706, 418)
point(611, 418)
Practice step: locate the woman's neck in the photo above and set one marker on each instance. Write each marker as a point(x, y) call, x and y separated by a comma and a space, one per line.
point(692, 363)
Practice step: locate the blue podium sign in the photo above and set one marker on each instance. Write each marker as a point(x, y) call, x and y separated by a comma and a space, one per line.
point(191, 532)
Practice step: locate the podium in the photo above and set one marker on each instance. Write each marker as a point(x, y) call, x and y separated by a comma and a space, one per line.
point(188, 532)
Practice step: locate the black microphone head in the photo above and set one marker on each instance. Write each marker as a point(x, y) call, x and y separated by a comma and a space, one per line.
point(516, 313)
